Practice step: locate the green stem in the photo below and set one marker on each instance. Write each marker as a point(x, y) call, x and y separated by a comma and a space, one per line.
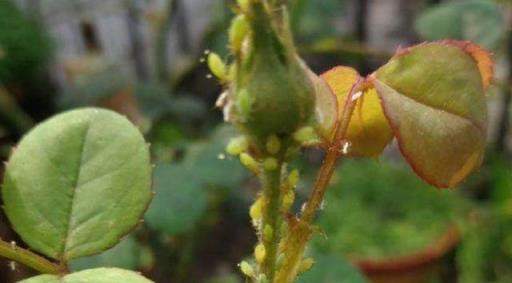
point(272, 219)
point(28, 258)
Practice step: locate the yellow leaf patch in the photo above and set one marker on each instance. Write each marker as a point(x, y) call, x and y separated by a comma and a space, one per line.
point(368, 131)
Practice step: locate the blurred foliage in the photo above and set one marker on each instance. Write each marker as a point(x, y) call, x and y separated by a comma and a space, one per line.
point(182, 188)
point(125, 255)
point(312, 19)
point(486, 251)
point(93, 78)
point(11, 115)
point(480, 21)
point(381, 209)
point(166, 134)
point(216, 39)
point(211, 165)
point(224, 279)
point(153, 99)
point(25, 47)
point(330, 269)
point(179, 202)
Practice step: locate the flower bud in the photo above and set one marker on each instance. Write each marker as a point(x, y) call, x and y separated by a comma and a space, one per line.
point(273, 92)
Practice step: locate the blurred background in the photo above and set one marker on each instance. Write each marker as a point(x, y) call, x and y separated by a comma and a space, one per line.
point(145, 59)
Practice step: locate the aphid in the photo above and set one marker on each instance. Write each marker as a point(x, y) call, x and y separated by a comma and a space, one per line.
point(270, 164)
point(246, 269)
point(260, 253)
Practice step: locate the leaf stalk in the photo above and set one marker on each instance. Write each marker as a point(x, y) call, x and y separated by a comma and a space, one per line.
point(12, 252)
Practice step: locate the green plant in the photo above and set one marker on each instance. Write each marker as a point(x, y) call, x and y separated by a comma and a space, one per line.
point(80, 181)
point(25, 47)
point(477, 20)
point(73, 187)
point(407, 215)
point(486, 250)
point(430, 97)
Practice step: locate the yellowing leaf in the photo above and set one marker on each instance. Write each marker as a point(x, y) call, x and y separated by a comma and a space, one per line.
point(432, 95)
point(341, 79)
point(368, 131)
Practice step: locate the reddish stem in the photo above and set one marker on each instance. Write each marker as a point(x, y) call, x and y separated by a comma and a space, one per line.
point(332, 155)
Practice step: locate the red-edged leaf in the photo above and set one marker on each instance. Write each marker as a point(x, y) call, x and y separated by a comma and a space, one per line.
point(432, 95)
point(482, 57)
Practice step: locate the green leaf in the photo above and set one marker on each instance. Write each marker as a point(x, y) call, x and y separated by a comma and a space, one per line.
point(77, 183)
point(26, 46)
point(124, 255)
point(311, 20)
point(331, 268)
point(480, 21)
point(98, 275)
point(179, 202)
point(154, 99)
point(433, 97)
point(100, 80)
